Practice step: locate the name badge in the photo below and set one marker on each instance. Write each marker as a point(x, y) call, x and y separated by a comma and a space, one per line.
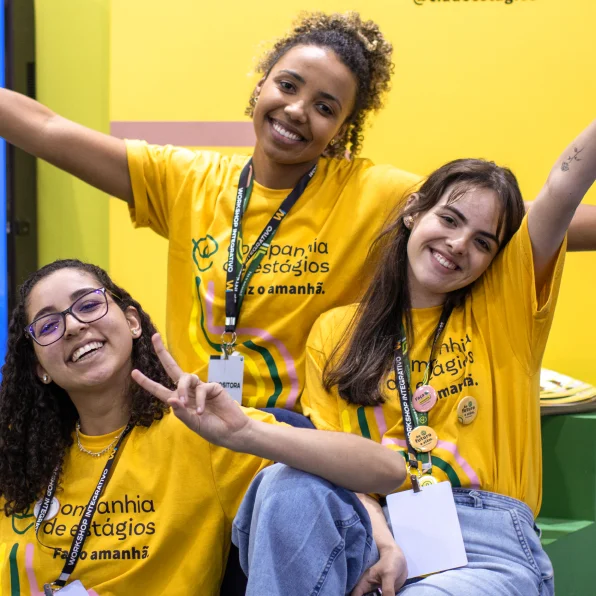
point(427, 529)
point(229, 373)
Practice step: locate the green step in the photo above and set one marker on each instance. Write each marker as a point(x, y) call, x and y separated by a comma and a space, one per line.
point(568, 514)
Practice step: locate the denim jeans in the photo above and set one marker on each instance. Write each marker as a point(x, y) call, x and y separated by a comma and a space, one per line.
point(300, 535)
point(505, 557)
point(290, 417)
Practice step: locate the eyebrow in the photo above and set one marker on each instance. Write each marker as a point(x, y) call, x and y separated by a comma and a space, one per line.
point(48, 310)
point(323, 94)
point(465, 220)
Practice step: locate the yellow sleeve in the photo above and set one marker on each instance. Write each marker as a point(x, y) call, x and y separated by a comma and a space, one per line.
point(317, 404)
point(512, 300)
point(234, 471)
point(160, 175)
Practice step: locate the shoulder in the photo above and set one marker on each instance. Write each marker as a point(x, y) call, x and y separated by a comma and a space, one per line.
point(329, 328)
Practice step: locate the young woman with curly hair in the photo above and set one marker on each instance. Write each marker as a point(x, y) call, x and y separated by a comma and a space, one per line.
point(82, 389)
point(319, 83)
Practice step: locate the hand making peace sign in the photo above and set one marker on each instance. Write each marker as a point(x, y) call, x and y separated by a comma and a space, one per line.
point(206, 408)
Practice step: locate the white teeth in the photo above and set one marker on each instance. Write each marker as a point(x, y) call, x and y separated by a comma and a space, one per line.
point(78, 353)
point(445, 262)
point(285, 133)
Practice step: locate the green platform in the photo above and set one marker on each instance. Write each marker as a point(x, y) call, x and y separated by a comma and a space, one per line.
point(568, 514)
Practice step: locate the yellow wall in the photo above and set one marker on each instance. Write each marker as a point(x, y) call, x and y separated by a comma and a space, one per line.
point(72, 52)
point(510, 82)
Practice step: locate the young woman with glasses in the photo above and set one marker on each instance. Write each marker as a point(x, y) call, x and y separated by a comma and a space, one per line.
point(102, 486)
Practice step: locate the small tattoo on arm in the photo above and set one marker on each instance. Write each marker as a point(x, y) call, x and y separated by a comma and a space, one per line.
point(574, 157)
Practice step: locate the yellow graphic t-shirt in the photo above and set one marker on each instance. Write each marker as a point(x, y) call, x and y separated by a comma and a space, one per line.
point(162, 525)
point(491, 350)
point(316, 260)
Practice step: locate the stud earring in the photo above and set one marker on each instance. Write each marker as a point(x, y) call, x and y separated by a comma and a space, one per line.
point(135, 332)
point(45, 379)
point(409, 221)
point(333, 142)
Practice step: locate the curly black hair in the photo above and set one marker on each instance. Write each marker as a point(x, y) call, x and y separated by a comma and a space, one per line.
point(37, 421)
point(360, 46)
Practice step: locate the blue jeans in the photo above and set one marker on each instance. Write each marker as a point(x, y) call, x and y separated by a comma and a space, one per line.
point(290, 417)
point(505, 557)
point(299, 534)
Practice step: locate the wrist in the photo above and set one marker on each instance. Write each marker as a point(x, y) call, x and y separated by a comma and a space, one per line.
point(242, 439)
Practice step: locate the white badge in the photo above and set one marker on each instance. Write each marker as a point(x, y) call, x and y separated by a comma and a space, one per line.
point(229, 373)
point(75, 588)
point(52, 511)
point(426, 527)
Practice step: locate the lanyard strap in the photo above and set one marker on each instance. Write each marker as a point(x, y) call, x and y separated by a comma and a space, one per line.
point(77, 544)
point(236, 282)
point(401, 364)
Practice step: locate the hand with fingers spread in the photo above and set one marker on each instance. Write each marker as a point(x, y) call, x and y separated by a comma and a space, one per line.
point(206, 408)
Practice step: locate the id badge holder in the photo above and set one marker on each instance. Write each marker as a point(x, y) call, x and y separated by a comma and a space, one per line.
point(75, 588)
point(229, 373)
point(426, 527)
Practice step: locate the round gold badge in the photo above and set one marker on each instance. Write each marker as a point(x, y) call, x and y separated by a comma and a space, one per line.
point(423, 438)
point(467, 410)
point(427, 480)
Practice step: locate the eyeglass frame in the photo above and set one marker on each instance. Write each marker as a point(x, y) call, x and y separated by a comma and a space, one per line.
point(69, 311)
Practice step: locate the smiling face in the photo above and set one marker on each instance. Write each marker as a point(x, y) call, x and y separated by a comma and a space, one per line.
point(302, 105)
point(452, 244)
point(89, 355)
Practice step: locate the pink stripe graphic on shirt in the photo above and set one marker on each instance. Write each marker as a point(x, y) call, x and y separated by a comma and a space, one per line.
point(464, 465)
point(380, 417)
point(262, 334)
point(29, 570)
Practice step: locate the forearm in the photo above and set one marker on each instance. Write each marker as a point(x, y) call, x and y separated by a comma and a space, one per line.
point(582, 230)
point(381, 532)
point(574, 172)
point(347, 460)
point(22, 121)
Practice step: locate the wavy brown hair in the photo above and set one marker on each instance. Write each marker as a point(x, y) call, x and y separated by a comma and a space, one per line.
point(360, 46)
point(37, 421)
point(375, 329)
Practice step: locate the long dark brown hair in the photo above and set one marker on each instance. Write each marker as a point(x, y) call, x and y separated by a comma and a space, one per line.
point(370, 339)
point(37, 421)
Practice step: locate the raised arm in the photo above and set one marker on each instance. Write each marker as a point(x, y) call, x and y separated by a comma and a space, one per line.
point(551, 213)
point(96, 158)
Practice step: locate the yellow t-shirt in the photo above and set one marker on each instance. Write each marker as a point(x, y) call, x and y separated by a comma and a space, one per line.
point(491, 350)
point(162, 526)
point(315, 261)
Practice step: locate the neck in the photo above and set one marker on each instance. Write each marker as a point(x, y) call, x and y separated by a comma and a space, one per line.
point(276, 175)
point(101, 413)
point(422, 298)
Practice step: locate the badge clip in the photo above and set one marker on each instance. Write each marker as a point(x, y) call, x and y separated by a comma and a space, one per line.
point(228, 341)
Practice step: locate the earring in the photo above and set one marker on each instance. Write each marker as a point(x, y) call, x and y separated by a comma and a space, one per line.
point(135, 332)
point(45, 378)
point(409, 221)
point(333, 142)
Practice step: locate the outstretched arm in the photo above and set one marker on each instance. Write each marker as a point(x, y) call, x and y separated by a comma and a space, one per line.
point(347, 460)
point(581, 235)
point(96, 158)
point(551, 213)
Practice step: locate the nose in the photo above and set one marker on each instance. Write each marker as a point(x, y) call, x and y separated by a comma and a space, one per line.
point(73, 326)
point(457, 244)
point(296, 111)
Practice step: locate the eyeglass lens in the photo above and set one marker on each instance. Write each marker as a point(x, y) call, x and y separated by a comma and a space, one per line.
point(86, 309)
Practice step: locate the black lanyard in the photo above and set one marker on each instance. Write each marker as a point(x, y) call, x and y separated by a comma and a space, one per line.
point(401, 364)
point(236, 283)
point(77, 544)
